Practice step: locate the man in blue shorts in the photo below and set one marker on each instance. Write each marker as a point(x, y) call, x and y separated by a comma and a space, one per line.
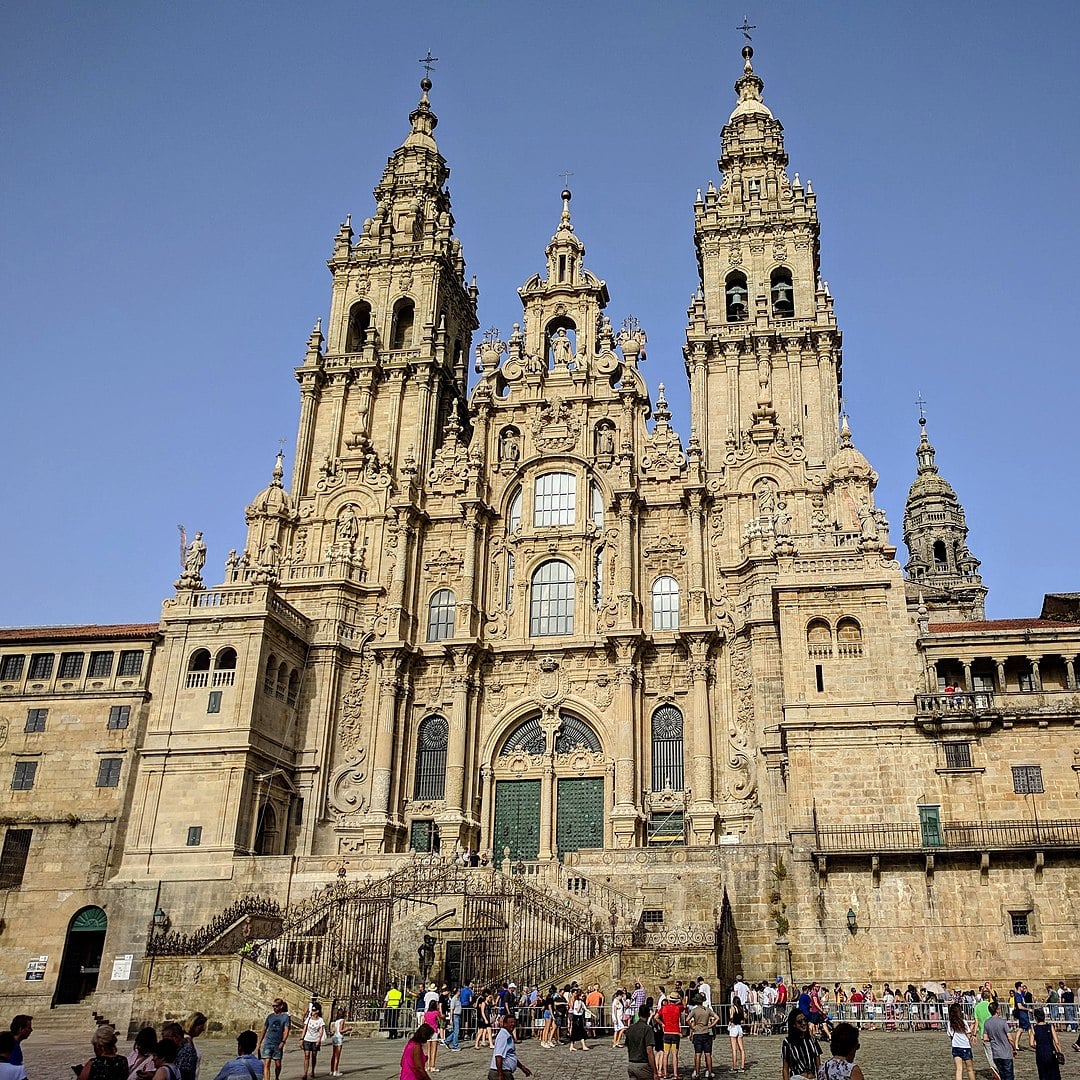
point(1022, 1013)
point(275, 1034)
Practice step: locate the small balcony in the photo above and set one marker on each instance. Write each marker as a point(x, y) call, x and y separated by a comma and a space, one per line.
point(975, 710)
point(930, 836)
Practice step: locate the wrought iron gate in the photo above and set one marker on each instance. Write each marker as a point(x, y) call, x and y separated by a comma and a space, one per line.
point(338, 942)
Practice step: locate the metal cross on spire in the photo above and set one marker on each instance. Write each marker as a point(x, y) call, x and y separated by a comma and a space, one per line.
point(746, 27)
point(922, 406)
point(429, 62)
point(566, 174)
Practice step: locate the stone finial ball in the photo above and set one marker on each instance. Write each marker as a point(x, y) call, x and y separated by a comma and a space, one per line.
point(747, 53)
point(425, 84)
point(566, 194)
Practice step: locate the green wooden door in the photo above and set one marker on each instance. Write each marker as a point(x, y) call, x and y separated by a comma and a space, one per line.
point(580, 814)
point(517, 819)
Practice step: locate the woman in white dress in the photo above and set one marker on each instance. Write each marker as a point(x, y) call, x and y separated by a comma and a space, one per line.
point(618, 1013)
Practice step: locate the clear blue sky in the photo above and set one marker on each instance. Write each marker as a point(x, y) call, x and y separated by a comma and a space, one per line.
point(173, 175)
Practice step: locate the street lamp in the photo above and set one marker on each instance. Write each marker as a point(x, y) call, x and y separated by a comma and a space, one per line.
point(160, 922)
point(852, 922)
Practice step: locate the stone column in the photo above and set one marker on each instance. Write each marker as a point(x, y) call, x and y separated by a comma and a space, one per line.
point(731, 360)
point(625, 583)
point(390, 688)
point(625, 817)
point(966, 665)
point(462, 686)
point(696, 582)
point(468, 598)
point(547, 807)
point(999, 666)
point(1036, 677)
point(702, 806)
point(1070, 672)
point(795, 389)
point(309, 395)
point(487, 807)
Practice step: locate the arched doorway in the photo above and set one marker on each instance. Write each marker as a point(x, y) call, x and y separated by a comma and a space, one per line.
point(81, 964)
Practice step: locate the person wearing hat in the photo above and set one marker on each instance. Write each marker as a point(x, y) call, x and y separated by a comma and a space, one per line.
point(671, 1014)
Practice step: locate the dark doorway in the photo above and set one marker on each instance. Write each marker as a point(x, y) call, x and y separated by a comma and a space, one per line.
point(81, 964)
point(452, 964)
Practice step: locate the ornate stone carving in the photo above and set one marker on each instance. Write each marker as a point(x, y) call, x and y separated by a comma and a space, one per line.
point(664, 553)
point(556, 428)
point(444, 566)
point(580, 760)
point(663, 458)
point(351, 721)
point(346, 787)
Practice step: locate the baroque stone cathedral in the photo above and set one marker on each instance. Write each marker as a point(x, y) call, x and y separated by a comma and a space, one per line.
point(683, 681)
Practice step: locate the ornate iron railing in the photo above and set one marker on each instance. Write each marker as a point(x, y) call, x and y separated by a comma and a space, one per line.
point(177, 944)
point(338, 942)
point(980, 701)
point(876, 837)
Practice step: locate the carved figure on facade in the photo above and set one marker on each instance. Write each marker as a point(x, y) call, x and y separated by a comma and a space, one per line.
point(232, 565)
point(510, 446)
point(562, 350)
point(448, 469)
point(192, 561)
point(556, 428)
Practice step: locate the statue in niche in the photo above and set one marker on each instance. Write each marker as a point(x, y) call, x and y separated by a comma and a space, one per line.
point(605, 441)
point(562, 351)
point(348, 528)
point(271, 552)
point(782, 522)
point(766, 500)
point(509, 446)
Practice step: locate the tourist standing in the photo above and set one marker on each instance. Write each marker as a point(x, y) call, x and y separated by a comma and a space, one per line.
point(996, 1036)
point(275, 1034)
point(433, 1019)
point(7, 1070)
point(577, 1020)
point(1047, 1048)
point(165, 1055)
point(22, 1027)
point(392, 1002)
point(1022, 1015)
point(799, 1053)
point(141, 1059)
point(618, 1018)
point(736, 1020)
point(640, 1050)
point(671, 1013)
point(338, 1030)
point(702, 1021)
point(188, 1056)
point(843, 1045)
point(960, 1036)
point(454, 1026)
point(504, 1059)
point(314, 1033)
point(413, 1058)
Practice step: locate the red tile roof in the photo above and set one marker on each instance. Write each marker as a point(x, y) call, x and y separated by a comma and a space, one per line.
point(998, 624)
point(12, 635)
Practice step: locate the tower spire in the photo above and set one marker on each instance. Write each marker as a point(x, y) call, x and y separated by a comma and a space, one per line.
point(935, 533)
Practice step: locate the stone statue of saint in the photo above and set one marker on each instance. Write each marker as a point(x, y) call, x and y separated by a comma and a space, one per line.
point(868, 522)
point(195, 557)
point(232, 565)
point(782, 523)
point(347, 527)
point(561, 351)
point(509, 449)
point(605, 442)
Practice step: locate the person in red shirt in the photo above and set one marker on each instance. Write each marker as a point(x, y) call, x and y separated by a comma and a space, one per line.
point(856, 999)
point(781, 996)
point(671, 1014)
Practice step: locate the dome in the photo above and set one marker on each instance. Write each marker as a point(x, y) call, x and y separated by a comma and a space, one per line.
point(273, 501)
point(848, 463)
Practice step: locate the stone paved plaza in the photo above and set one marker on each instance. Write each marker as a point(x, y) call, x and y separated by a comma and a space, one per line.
point(883, 1056)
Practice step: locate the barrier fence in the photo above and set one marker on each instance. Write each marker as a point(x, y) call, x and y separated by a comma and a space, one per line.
point(871, 1016)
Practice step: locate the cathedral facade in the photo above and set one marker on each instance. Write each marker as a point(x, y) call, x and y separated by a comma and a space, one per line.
point(529, 618)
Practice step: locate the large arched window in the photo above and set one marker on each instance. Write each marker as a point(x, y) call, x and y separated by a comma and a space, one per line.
point(941, 557)
point(848, 638)
point(225, 667)
point(667, 749)
point(359, 324)
point(573, 732)
point(551, 609)
point(441, 611)
point(198, 672)
point(782, 292)
point(432, 738)
point(818, 639)
point(270, 677)
point(665, 603)
point(735, 295)
point(556, 499)
point(529, 738)
point(401, 335)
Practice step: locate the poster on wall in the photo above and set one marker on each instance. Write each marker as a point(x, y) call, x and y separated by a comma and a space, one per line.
point(121, 967)
point(35, 969)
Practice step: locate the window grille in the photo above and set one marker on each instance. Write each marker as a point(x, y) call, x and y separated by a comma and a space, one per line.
point(130, 662)
point(555, 500)
point(13, 857)
point(665, 604)
point(432, 739)
point(1019, 923)
point(71, 664)
point(41, 666)
point(441, 611)
point(652, 916)
point(11, 667)
point(1027, 780)
point(100, 665)
point(667, 749)
point(958, 755)
point(573, 733)
point(528, 737)
point(552, 600)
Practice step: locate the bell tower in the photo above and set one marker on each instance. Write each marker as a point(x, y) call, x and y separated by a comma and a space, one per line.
point(762, 347)
point(400, 327)
point(935, 534)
